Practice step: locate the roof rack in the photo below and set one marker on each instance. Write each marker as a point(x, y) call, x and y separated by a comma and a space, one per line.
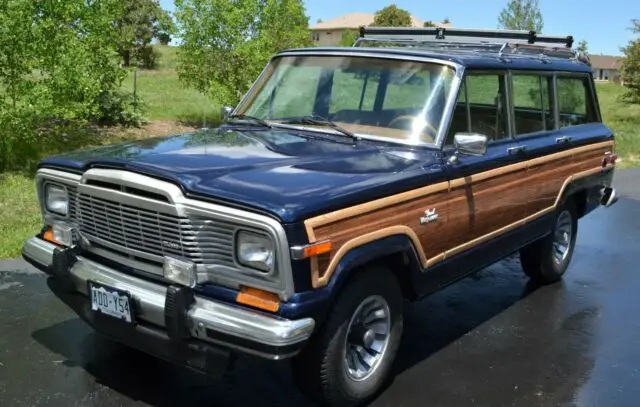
point(442, 33)
point(503, 42)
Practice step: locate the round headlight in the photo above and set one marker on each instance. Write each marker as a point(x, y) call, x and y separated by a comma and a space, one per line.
point(56, 199)
point(255, 251)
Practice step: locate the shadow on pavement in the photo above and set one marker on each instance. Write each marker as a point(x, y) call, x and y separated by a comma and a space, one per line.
point(441, 318)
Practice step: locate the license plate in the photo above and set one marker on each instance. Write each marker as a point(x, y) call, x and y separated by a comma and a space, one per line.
point(110, 301)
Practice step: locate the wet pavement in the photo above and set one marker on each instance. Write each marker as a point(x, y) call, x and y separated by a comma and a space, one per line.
point(491, 340)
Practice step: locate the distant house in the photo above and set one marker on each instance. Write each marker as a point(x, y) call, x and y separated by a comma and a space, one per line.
point(606, 68)
point(328, 33)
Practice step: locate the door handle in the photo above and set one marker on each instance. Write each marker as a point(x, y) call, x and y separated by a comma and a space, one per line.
point(563, 139)
point(516, 150)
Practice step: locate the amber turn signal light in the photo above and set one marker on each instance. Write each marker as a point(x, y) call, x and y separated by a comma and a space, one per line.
point(317, 249)
point(48, 236)
point(259, 299)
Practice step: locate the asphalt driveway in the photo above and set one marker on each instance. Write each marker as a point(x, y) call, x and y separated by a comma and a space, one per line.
point(491, 340)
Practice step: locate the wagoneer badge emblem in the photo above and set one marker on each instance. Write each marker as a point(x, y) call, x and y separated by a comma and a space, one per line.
point(430, 215)
point(170, 245)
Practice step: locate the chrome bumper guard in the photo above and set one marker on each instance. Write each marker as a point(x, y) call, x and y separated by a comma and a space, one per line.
point(206, 320)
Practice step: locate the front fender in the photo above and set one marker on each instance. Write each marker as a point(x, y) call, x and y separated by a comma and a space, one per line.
point(317, 302)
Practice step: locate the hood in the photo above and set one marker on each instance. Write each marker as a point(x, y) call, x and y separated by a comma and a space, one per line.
point(282, 172)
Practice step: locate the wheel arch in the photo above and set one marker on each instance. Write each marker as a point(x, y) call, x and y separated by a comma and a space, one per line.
point(396, 252)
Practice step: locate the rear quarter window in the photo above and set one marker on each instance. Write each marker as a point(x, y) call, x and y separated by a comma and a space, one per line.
point(575, 102)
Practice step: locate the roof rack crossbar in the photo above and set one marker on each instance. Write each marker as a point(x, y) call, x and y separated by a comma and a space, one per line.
point(457, 34)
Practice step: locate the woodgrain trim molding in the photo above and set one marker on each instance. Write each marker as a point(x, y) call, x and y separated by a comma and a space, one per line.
point(362, 240)
point(321, 280)
point(522, 222)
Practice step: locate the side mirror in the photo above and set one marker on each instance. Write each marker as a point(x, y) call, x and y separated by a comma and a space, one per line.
point(225, 111)
point(470, 144)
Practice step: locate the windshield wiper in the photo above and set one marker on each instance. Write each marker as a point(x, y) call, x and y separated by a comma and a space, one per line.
point(321, 121)
point(252, 119)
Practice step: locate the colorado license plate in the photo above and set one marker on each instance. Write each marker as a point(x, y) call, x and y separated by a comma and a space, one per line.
point(110, 301)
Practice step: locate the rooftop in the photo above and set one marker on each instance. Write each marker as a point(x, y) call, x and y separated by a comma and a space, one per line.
point(356, 20)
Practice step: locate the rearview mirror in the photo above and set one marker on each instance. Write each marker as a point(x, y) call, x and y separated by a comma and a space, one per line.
point(470, 144)
point(225, 111)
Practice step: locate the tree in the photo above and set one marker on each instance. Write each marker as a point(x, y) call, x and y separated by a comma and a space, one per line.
point(446, 21)
point(630, 72)
point(349, 38)
point(521, 15)
point(138, 23)
point(429, 24)
point(226, 43)
point(392, 16)
point(57, 66)
point(582, 46)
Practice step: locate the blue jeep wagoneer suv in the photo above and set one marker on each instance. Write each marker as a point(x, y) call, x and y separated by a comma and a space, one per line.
point(346, 181)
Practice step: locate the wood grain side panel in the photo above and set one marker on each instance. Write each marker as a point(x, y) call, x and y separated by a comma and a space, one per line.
point(544, 182)
point(372, 206)
point(545, 179)
point(406, 214)
point(486, 205)
point(494, 192)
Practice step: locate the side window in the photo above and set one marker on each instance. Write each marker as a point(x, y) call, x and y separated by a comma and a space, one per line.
point(532, 103)
point(574, 101)
point(353, 90)
point(407, 91)
point(483, 96)
point(291, 98)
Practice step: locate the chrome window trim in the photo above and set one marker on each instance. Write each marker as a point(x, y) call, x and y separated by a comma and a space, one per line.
point(188, 207)
point(449, 105)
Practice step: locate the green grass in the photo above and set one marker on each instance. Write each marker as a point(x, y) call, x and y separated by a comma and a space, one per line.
point(624, 120)
point(166, 98)
point(20, 216)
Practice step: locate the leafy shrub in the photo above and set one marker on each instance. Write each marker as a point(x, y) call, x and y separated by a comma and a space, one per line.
point(119, 107)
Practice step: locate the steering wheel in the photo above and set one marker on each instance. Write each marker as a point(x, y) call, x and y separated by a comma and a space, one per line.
point(428, 133)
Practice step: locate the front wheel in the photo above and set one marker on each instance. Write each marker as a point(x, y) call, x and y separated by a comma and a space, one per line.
point(546, 260)
point(349, 359)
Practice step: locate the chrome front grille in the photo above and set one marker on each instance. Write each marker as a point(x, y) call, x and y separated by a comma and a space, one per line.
point(129, 219)
point(136, 231)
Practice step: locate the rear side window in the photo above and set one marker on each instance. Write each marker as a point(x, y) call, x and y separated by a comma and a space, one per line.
point(532, 103)
point(354, 90)
point(574, 101)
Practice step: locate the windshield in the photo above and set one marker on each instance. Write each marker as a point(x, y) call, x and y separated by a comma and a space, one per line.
point(371, 97)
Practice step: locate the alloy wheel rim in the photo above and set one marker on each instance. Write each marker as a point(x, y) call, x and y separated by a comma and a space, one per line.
point(367, 337)
point(562, 237)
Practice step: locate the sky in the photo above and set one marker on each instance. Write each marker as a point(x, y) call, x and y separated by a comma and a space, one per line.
point(603, 24)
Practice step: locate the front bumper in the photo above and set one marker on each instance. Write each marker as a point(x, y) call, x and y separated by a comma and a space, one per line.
point(204, 324)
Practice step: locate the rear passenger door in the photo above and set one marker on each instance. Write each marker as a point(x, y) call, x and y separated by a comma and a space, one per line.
point(486, 192)
point(534, 125)
point(551, 114)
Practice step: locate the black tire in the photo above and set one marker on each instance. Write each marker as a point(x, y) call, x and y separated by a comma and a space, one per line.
point(320, 371)
point(538, 259)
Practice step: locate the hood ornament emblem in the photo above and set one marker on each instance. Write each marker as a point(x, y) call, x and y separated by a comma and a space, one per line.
point(430, 215)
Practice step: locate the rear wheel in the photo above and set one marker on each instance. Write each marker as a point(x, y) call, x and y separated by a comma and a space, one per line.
point(547, 259)
point(349, 359)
